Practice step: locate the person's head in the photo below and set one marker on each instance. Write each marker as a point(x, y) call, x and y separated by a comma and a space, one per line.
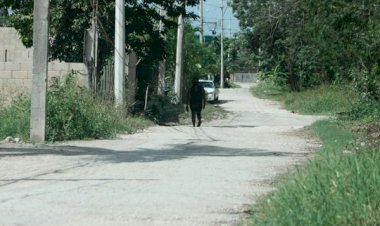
point(195, 81)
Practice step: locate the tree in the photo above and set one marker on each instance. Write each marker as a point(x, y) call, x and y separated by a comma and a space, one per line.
point(240, 56)
point(199, 60)
point(313, 41)
point(70, 18)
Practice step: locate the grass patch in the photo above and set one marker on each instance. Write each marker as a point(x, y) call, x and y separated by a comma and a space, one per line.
point(14, 119)
point(338, 187)
point(73, 113)
point(321, 100)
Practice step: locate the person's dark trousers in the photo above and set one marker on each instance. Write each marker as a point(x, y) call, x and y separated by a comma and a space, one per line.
point(199, 117)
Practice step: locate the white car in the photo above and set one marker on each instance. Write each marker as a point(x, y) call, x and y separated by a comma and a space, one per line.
point(211, 91)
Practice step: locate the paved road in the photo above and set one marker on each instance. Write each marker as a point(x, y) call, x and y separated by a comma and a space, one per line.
point(164, 176)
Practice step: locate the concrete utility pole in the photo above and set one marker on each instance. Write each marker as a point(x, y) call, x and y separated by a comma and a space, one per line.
point(40, 71)
point(201, 36)
point(162, 63)
point(119, 53)
point(222, 49)
point(179, 59)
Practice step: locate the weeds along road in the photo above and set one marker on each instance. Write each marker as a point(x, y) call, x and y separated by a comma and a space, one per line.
point(163, 176)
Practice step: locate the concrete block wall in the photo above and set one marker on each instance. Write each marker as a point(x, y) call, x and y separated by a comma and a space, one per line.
point(16, 64)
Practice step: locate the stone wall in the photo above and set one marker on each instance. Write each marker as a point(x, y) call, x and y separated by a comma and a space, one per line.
point(16, 66)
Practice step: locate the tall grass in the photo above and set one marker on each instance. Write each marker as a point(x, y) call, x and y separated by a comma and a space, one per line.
point(14, 118)
point(72, 113)
point(338, 187)
point(324, 99)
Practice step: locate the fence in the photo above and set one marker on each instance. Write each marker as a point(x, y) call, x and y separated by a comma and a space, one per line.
point(107, 82)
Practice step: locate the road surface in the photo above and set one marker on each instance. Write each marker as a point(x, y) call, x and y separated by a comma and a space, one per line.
point(163, 176)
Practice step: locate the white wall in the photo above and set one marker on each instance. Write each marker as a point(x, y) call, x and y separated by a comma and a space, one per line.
point(16, 66)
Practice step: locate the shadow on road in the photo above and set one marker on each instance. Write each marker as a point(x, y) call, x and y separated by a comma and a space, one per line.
point(172, 152)
point(219, 102)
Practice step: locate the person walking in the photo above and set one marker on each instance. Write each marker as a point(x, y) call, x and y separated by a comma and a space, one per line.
point(196, 98)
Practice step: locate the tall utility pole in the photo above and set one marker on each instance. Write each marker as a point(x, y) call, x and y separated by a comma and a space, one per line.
point(222, 49)
point(179, 59)
point(201, 36)
point(40, 71)
point(119, 52)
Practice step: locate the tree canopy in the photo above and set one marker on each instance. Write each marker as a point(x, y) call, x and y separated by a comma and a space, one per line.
point(70, 18)
point(315, 41)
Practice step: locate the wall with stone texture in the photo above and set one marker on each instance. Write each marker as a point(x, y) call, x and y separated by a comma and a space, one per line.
point(16, 66)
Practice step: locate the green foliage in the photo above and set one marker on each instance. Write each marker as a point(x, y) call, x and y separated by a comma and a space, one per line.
point(314, 42)
point(268, 90)
point(240, 57)
point(199, 60)
point(368, 84)
point(325, 99)
point(274, 77)
point(73, 113)
point(337, 187)
point(14, 118)
point(4, 20)
point(321, 100)
point(69, 19)
point(365, 111)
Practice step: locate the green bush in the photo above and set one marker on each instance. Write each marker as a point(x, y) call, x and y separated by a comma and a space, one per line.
point(266, 89)
point(274, 77)
point(364, 110)
point(324, 99)
point(367, 83)
point(14, 119)
point(72, 113)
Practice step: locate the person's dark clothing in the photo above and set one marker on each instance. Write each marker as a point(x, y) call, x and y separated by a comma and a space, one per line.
point(197, 94)
point(196, 100)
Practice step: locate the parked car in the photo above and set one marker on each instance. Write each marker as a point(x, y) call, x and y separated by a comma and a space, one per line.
point(212, 91)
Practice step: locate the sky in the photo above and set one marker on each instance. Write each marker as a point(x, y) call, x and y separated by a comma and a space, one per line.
point(212, 18)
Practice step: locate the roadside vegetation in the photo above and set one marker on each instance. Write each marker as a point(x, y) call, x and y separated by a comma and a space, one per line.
point(324, 99)
point(339, 185)
point(321, 57)
point(163, 111)
point(77, 113)
point(73, 113)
